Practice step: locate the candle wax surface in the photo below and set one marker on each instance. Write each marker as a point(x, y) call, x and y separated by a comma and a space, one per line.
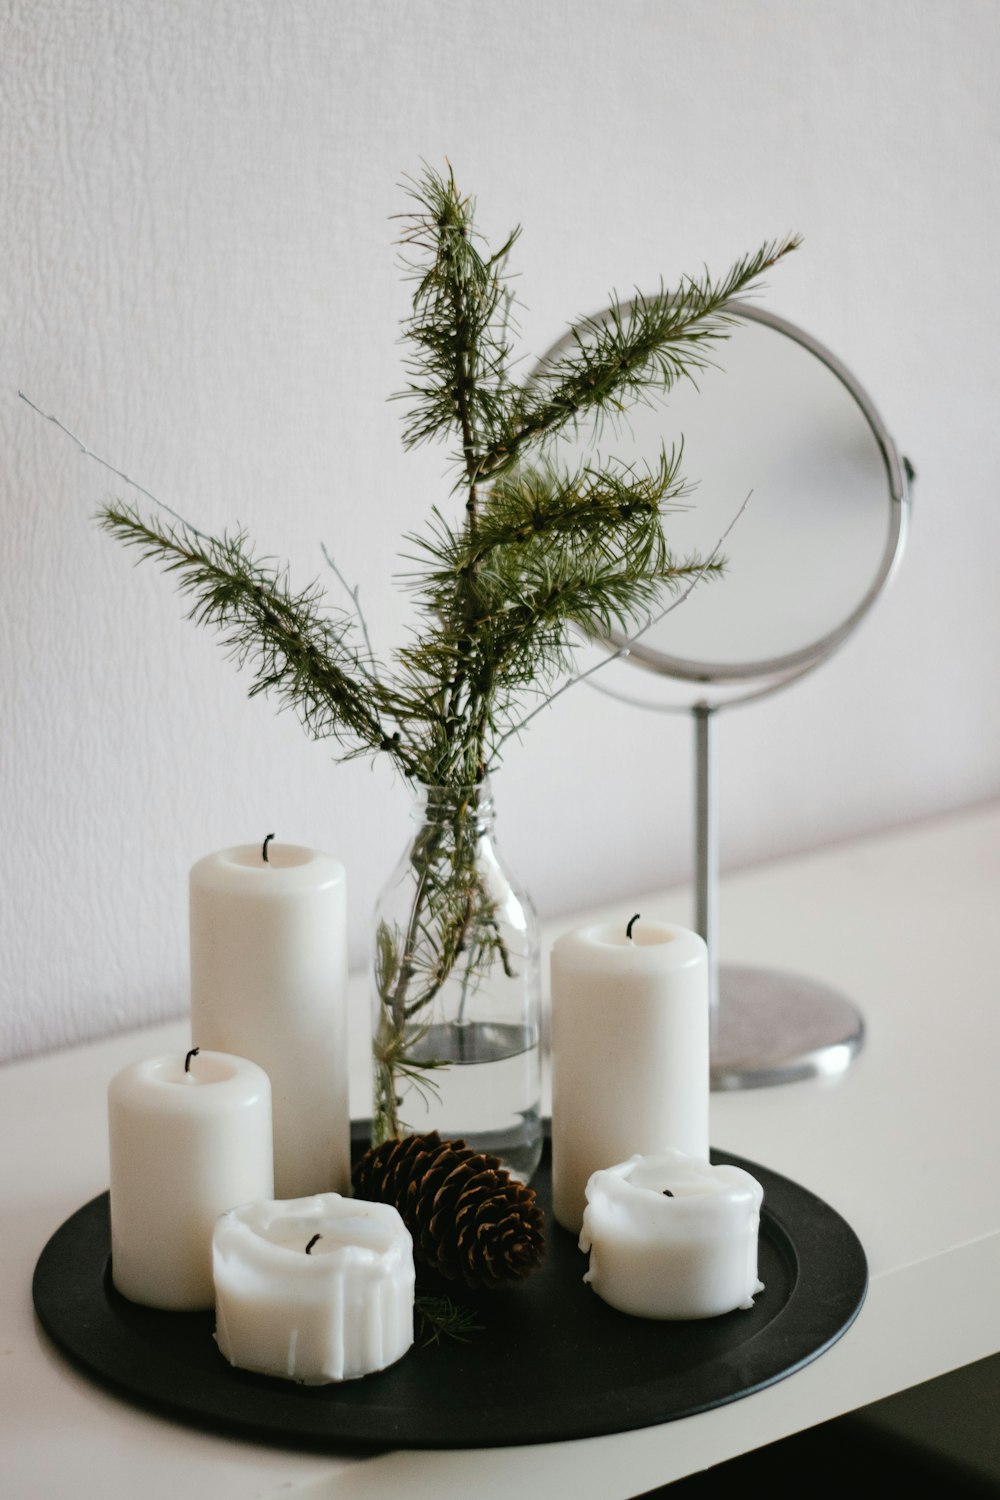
point(672, 1237)
point(630, 1051)
point(185, 1145)
point(279, 856)
point(358, 1231)
point(337, 1310)
point(203, 1068)
point(268, 952)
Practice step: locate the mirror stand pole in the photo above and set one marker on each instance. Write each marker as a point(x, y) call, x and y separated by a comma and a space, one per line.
point(706, 920)
point(765, 1027)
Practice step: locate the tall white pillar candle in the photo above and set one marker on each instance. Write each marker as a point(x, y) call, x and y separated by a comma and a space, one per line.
point(269, 982)
point(189, 1138)
point(630, 1059)
point(313, 1289)
point(672, 1237)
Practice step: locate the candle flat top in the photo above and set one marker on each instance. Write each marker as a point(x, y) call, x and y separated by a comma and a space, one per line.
point(279, 856)
point(681, 1176)
point(672, 1183)
point(642, 935)
point(214, 1080)
point(205, 1067)
point(607, 947)
point(288, 868)
point(273, 1236)
point(324, 1232)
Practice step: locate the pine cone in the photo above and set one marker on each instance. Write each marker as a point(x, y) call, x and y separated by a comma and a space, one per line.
point(469, 1219)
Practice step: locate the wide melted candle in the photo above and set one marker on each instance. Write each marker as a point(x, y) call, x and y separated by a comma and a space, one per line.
point(670, 1236)
point(314, 1289)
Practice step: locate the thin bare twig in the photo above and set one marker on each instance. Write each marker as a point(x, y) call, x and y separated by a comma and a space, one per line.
point(354, 594)
point(133, 483)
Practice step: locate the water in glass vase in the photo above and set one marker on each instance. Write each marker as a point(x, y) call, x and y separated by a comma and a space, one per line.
point(456, 989)
point(490, 1091)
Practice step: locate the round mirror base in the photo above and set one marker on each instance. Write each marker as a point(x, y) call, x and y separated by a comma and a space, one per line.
point(779, 1028)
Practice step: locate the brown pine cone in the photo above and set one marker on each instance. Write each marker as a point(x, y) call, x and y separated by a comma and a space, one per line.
point(469, 1219)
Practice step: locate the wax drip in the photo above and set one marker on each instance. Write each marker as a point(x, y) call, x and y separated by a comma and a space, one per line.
point(187, 1061)
point(312, 1242)
point(628, 930)
point(263, 852)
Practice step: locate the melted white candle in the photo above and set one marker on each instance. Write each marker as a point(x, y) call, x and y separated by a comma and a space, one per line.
point(670, 1236)
point(185, 1145)
point(342, 1310)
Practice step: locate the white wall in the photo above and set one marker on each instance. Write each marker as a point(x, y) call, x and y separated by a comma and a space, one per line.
point(198, 277)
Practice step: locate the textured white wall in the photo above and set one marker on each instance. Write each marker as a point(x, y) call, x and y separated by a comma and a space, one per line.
point(197, 274)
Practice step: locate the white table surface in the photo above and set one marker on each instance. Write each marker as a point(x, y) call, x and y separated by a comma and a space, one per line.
point(904, 1145)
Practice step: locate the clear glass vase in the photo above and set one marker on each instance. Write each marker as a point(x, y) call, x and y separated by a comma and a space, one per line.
point(456, 992)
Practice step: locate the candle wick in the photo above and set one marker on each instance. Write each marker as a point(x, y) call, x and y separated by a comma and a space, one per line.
point(187, 1061)
point(628, 930)
point(263, 851)
point(667, 1193)
point(312, 1242)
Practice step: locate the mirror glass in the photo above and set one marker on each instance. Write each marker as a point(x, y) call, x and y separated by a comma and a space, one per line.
point(776, 418)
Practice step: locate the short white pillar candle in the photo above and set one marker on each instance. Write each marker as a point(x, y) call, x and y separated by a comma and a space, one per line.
point(269, 982)
point(189, 1137)
point(630, 1051)
point(670, 1236)
point(313, 1289)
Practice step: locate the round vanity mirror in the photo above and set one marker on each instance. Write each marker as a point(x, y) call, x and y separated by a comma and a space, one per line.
point(798, 486)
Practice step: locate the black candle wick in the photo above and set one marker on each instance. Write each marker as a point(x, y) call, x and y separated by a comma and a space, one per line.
point(628, 930)
point(187, 1061)
point(667, 1193)
point(312, 1242)
point(263, 851)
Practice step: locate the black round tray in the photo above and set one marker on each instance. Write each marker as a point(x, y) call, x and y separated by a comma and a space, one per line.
point(550, 1362)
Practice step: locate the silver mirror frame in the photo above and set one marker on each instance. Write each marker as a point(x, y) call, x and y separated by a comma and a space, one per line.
point(774, 672)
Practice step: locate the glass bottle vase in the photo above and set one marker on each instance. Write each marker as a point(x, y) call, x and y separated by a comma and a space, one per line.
point(456, 993)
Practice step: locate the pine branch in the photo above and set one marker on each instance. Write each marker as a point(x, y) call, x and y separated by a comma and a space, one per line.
point(552, 551)
point(296, 650)
point(533, 506)
point(459, 331)
point(645, 345)
point(710, 566)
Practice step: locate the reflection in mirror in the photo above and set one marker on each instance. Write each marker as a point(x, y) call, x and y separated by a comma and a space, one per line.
point(777, 418)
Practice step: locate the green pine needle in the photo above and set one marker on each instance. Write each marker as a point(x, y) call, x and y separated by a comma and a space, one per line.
point(441, 1318)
